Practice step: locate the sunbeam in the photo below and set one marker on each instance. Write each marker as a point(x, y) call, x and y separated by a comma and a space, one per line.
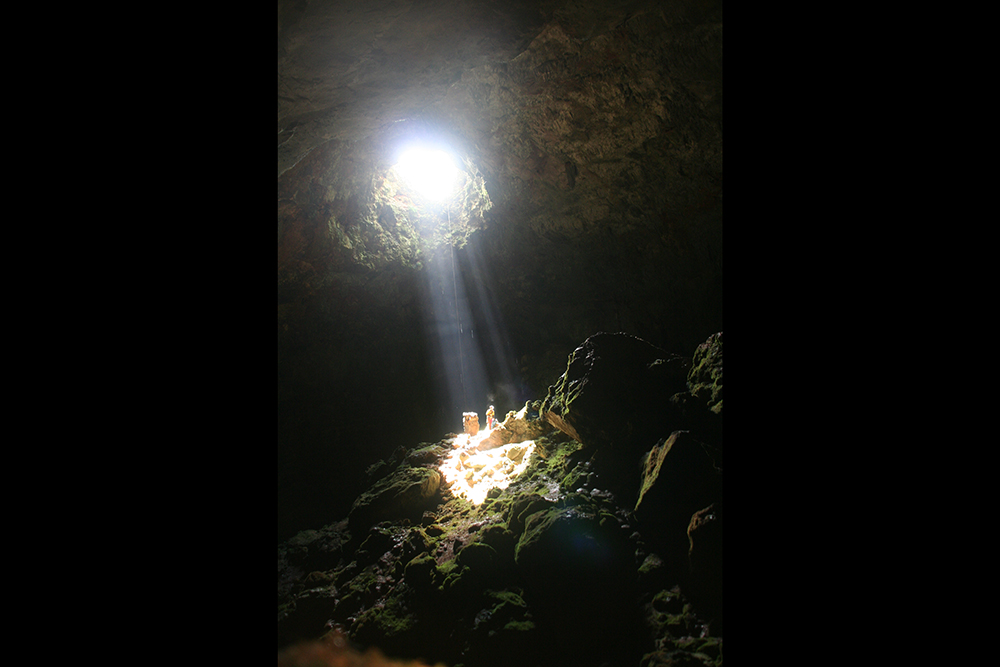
point(476, 367)
point(449, 322)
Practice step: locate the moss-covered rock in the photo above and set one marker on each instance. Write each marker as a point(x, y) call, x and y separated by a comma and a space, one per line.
point(479, 566)
point(420, 572)
point(392, 627)
point(524, 507)
point(403, 494)
point(379, 540)
point(311, 551)
point(705, 378)
point(614, 390)
point(359, 591)
point(679, 634)
point(705, 556)
point(652, 575)
point(614, 397)
point(503, 632)
point(678, 478)
point(426, 453)
point(477, 556)
point(502, 541)
point(568, 548)
point(699, 409)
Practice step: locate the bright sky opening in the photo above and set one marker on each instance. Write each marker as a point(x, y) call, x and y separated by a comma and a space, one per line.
point(430, 172)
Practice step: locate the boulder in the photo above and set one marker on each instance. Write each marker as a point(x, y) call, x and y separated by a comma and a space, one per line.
point(502, 541)
point(579, 572)
point(705, 558)
point(420, 572)
point(477, 556)
point(524, 507)
point(700, 408)
point(678, 478)
point(565, 548)
point(404, 494)
point(392, 626)
point(616, 390)
point(705, 377)
point(502, 631)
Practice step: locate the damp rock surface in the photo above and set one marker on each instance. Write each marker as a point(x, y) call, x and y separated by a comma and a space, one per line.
point(527, 576)
point(403, 494)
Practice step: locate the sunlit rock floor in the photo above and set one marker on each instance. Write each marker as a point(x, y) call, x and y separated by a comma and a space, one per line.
point(544, 568)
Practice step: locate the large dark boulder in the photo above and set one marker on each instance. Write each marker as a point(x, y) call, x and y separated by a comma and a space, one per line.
point(570, 547)
point(705, 377)
point(699, 409)
point(615, 390)
point(705, 556)
point(406, 493)
point(579, 574)
point(678, 478)
point(615, 397)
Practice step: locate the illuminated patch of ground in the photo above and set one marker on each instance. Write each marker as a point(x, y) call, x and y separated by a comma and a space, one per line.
point(472, 474)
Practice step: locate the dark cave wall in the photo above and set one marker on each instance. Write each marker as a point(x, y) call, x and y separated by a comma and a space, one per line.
point(557, 293)
point(351, 380)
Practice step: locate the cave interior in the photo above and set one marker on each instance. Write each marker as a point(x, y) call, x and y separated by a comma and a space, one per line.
point(589, 141)
point(585, 139)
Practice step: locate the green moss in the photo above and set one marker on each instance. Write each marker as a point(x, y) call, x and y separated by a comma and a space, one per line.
point(705, 377)
point(387, 626)
point(498, 537)
point(708, 648)
point(506, 597)
point(447, 567)
point(457, 586)
point(421, 571)
point(404, 493)
point(668, 601)
point(360, 590)
point(573, 479)
point(519, 626)
point(524, 507)
point(377, 470)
